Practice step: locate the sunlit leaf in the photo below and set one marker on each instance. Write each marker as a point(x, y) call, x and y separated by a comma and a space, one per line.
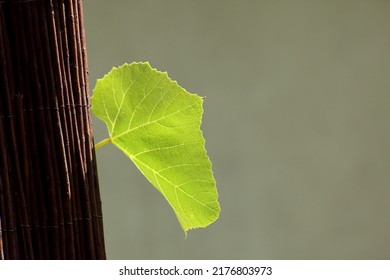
point(156, 123)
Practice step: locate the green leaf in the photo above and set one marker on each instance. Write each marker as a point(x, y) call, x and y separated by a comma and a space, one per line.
point(156, 123)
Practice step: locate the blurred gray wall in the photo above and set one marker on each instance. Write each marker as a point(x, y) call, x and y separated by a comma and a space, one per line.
point(296, 124)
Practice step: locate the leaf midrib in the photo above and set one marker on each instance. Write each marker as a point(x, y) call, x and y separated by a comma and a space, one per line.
point(173, 184)
point(113, 138)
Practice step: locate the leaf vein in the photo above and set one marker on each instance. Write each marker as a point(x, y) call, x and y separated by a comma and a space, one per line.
point(148, 123)
point(139, 103)
point(173, 184)
point(166, 148)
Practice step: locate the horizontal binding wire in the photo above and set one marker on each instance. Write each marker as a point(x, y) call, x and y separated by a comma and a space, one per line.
point(18, 2)
point(13, 229)
point(59, 225)
point(66, 106)
point(4, 230)
point(97, 216)
point(7, 116)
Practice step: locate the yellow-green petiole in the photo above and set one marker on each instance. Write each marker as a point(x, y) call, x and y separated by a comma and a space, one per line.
point(102, 143)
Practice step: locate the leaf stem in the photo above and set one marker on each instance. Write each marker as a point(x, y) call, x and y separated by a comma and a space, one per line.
point(102, 143)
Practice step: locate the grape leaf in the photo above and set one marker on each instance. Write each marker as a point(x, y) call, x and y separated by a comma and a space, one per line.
point(156, 123)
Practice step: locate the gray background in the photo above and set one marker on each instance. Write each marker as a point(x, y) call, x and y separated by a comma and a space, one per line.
point(296, 124)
